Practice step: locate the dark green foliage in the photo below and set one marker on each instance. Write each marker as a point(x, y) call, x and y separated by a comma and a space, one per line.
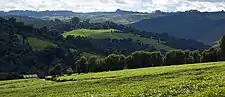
point(210, 55)
point(11, 49)
point(135, 60)
point(115, 62)
point(10, 76)
point(157, 59)
point(215, 53)
point(188, 57)
point(221, 50)
point(56, 70)
point(94, 64)
point(69, 71)
point(196, 56)
point(82, 65)
point(141, 59)
point(220, 54)
point(174, 57)
point(144, 59)
point(222, 43)
point(75, 20)
point(108, 46)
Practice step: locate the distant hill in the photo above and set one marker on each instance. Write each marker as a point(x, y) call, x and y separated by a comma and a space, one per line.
point(204, 27)
point(60, 13)
point(36, 14)
point(119, 16)
point(29, 20)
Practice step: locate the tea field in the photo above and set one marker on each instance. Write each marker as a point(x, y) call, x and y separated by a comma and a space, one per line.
point(199, 80)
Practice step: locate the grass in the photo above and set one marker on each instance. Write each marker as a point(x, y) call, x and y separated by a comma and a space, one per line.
point(87, 32)
point(199, 80)
point(110, 33)
point(87, 55)
point(38, 44)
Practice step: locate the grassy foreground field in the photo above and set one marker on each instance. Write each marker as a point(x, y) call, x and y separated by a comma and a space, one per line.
point(200, 80)
point(110, 33)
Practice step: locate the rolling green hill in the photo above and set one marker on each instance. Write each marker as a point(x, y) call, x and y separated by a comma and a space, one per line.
point(38, 44)
point(103, 33)
point(198, 80)
point(110, 33)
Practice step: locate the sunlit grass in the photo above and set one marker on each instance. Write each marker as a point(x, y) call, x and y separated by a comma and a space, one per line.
point(203, 80)
point(38, 44)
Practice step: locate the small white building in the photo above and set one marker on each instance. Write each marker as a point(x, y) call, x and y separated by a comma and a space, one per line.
point(30, 76)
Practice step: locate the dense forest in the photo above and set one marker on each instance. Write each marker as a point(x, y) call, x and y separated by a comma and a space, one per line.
point(19, 57)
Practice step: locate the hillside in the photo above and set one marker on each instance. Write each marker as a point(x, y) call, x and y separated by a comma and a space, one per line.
point(204, 27)
point(104, 34)
point(38, 44)
point(199, 80)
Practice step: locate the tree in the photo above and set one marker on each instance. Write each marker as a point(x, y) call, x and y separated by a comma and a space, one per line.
point(81, 65)
point(115, 62)
point(221, 49)
point(222, 43)
point(139, 59)
point(156, 59)
point(92, 63)
point(56, 70)
point(69, 71)
point(44, 30)
point(174, 57)
point(196, 56)
point(74, 22)
point(210, 55)
point(188, 57)
point(134, 60)
point(220, 54)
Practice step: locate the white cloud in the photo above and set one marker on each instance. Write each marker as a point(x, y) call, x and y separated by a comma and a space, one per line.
point(111, 5)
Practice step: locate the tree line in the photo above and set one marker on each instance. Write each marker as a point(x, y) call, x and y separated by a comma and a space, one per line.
point(142, 59)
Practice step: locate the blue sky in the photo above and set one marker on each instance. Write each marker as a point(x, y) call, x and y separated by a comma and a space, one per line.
point(112, 5)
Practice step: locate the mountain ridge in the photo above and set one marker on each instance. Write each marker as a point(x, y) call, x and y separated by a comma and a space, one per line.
point(199, 26)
